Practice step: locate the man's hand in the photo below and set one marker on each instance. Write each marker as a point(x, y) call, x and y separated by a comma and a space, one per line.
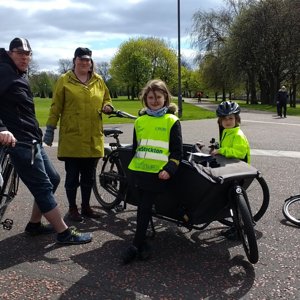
point(7, 138)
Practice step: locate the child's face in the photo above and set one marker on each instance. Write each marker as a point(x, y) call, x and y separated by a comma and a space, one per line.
point(155, 100)
point(228, 121)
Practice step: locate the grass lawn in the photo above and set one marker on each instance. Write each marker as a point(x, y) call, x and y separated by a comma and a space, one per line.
point(190, 112)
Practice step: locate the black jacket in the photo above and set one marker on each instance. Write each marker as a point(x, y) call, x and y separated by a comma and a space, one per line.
point(282, 97)
point(17, 113)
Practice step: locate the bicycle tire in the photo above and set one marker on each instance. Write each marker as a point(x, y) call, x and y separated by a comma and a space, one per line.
point(290, 209)
point(258, 196)
point(244, 224)
point(109, 181)
point(10, 184)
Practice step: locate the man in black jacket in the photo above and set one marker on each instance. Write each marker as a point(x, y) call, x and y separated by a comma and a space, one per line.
point(18, 123)
point(282, 98)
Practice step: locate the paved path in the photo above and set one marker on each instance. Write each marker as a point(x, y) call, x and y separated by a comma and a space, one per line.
point(194, 265)
point(264, 119)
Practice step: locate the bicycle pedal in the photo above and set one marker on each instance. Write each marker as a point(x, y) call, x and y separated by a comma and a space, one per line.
point(7, 224)
point(119, 208)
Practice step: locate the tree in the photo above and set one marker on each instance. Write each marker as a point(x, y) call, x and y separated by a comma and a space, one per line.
point(32, 68)
point(102, 68)
point(259, 40)
point(42, 84)
point(139, 60)
point(64, 65)
point(209, 36)
point(265, 42)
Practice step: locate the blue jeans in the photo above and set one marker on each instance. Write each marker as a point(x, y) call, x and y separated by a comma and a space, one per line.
point(41, 178)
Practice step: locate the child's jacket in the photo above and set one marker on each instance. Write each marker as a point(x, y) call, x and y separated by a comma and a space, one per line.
point(234, 144)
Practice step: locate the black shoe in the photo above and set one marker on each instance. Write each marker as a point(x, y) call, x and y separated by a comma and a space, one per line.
point(144, 252)
point(88, 212)
point(73, 215)
point(129, 254)
point(34, 229)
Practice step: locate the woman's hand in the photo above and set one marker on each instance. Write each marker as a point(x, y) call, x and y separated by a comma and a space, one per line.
point(164, 175)
point(107, 109)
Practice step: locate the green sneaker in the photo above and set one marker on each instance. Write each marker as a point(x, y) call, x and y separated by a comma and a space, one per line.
point(74, 237)
point(34, 229)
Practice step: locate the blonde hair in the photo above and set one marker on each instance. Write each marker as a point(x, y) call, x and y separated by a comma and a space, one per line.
point(156, 85)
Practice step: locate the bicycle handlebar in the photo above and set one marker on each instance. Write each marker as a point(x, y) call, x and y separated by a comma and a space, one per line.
point(121, 114)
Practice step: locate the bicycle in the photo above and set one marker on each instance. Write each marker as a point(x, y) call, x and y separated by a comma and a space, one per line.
point(10, 181)
point(216, 190)
point(291, 210)
point(109, 178)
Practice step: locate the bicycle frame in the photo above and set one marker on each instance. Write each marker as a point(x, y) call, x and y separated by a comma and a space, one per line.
point(10, 184)
point(8, 188)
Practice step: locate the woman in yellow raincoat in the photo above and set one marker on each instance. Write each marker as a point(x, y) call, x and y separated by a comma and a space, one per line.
point(80, 94)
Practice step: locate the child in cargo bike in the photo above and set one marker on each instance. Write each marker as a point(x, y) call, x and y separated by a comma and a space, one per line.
point(157, 147)
point(233, 142)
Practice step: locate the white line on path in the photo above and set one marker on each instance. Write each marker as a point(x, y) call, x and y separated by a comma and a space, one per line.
point(258, 152)
point(277, 123)
point(278, 153)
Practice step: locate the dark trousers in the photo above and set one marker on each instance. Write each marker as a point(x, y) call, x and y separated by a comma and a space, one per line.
point(79, 172)
point(282, 107)
point(144, 211)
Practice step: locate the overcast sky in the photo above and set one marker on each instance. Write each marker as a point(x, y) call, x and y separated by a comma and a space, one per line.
point(55, 28)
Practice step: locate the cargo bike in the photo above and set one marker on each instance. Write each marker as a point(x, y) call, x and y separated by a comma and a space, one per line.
point(204, 189)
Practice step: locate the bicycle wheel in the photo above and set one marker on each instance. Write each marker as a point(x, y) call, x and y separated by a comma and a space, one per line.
point(10, 184)
point(244, 224)
point(291, 209)
point(258, 196)
point(109, 181)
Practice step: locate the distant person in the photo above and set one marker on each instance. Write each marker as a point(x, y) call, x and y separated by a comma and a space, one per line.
point(157, 147)
point(199, 95)
point(282, 99)
point(18, 123)
point(79, 99)
point(233, 142)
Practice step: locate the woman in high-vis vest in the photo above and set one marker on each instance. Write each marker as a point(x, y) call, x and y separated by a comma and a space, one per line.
point(157, 146)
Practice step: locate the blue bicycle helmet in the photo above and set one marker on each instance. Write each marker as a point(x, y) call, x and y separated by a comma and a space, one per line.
point(227, 108)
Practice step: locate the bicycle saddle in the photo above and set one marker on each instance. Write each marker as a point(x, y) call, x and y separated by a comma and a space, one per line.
point(111, 131)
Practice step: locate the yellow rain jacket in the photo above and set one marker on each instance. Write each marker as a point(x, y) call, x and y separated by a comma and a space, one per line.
point(234, 144)
point(76, 105)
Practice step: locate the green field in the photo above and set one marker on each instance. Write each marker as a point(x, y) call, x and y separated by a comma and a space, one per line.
point(190, 111)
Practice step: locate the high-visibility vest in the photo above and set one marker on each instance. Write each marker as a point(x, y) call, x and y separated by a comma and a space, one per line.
point(153, 136)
